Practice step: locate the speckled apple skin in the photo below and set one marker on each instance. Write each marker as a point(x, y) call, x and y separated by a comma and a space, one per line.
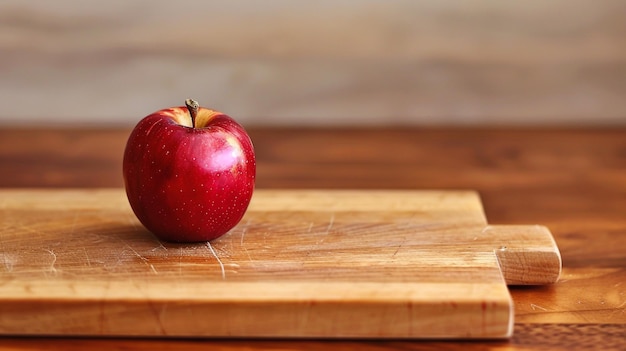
point(189, 184)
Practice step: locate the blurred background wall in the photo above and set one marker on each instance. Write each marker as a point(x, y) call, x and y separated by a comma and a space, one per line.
point(328, 62)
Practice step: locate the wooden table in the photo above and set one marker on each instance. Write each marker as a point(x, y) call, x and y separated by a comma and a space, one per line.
point(573, 181)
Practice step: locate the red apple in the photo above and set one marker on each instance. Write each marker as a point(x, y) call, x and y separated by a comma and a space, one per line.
point(189, 173)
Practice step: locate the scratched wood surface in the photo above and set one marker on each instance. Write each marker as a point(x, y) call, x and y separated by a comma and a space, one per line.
point(571, 180)
point(372, 264)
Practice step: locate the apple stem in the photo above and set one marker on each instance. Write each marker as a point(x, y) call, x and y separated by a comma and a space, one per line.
point(192, 106)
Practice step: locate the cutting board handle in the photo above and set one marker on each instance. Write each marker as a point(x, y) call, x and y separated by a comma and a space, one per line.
point(528, 254)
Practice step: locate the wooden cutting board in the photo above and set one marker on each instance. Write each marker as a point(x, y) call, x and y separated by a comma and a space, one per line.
point(357, 264)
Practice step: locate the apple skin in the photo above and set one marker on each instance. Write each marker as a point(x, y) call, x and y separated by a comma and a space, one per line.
point(186, 183)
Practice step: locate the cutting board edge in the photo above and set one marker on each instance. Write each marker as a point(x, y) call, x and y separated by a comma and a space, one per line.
point(115, 198)
point(154, 318)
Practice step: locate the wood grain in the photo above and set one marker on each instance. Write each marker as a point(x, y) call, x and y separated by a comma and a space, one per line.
point(571, 180)
point(373, 264)
point(559, 337)
point(321, 63)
